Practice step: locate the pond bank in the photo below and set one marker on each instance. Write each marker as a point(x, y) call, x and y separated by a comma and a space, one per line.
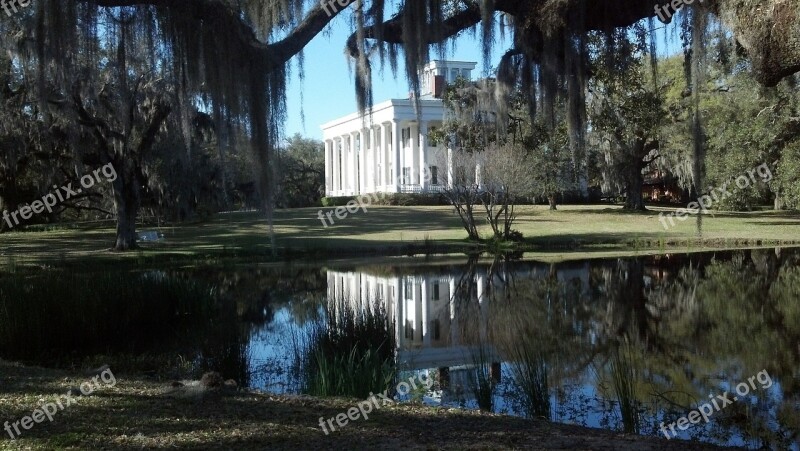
point(140, 413)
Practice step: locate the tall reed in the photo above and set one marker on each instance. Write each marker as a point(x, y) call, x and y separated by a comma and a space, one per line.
point(351, 352)
point(529, 373)
point(623, 378)
point(483, 386)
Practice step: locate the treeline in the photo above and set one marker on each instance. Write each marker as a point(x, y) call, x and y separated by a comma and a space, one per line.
point(174, 164)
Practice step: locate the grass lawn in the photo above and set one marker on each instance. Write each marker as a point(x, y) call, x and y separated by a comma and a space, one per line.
point(574, 231)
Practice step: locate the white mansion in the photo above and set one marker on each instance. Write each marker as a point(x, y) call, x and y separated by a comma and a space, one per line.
point(389, 150)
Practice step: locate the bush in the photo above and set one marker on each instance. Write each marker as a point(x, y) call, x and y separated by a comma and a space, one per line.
point(394, 199)
point(515, 236)
point(336, 201)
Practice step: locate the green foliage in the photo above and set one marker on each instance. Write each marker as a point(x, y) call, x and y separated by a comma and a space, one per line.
point(626, 114)
point(786, 291)
point(336, 201)
point(471, 120)
point(551, 164)
point(300, 173)
point(742, 124)
point(349, 353)
point(789, 175)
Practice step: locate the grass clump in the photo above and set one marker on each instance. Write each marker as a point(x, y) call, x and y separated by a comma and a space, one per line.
point(623, 379)
point(529, 372)
point(351, 352)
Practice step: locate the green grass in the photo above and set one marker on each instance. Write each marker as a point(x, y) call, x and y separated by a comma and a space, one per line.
point(573, 230)
point(349, 353)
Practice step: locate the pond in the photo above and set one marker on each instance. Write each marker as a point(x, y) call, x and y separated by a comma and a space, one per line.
point(651, 345)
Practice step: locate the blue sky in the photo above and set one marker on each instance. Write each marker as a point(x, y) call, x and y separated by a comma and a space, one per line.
point(328, 89)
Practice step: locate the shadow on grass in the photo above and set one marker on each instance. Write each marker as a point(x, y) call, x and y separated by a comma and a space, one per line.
point(134, 415)
point(777, 223)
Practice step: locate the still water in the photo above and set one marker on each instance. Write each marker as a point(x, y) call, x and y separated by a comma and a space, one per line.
point(622, 344)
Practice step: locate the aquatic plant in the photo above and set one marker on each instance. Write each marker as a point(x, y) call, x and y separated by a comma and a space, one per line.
point(529, 373)
point(623, 378)
point(351, 352)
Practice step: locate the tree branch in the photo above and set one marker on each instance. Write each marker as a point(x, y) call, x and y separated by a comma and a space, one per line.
point(600, 15)
point(276, 53)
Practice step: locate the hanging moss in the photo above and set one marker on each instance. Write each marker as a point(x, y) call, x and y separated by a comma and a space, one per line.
point(223, 51)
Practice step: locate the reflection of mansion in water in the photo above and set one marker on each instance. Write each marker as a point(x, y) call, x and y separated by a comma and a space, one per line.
point(423, 317)
point(434, 328)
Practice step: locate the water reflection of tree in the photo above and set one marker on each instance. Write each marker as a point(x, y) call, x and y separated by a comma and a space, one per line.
point(690, 324)
point(750, 319)
point(628, 314)
point(720, 322)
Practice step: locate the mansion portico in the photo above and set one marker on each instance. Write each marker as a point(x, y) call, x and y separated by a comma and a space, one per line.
point(390, 150)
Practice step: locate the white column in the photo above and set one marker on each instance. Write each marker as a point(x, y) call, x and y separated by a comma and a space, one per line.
point(483, 303)
point(418, 324)
point(329, 145)
point(423, 155)
point(401, 319)
point(453, 312)
point(363, 294)
point(397, 168)
point(336, 168)
point(450, 170)
point(386, 156)
point(426, 317)
point(374, 160)
point(362, 163)
point(352, 166)
point(413, 131)
point(345, 148)
point(331, 279)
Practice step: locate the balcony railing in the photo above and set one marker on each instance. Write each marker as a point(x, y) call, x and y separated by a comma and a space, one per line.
point(417, 189)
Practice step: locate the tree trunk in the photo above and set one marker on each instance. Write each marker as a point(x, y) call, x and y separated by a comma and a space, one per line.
point(126, 200)
point(778, 201)
point(551, 199)
point(633, 190)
